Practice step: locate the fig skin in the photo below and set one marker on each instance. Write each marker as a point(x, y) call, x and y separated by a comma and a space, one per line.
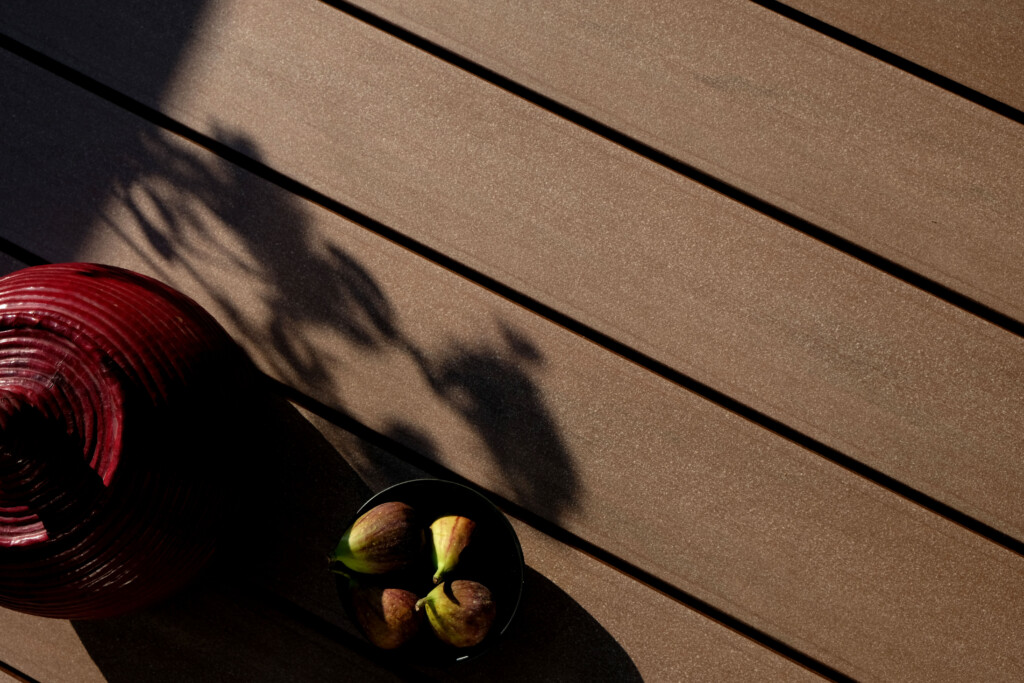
point(449, 535)
point(459, 612)
point(387, 616)
point(386, 538)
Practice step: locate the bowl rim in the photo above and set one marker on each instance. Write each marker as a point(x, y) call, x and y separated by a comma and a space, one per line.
point(499, 514)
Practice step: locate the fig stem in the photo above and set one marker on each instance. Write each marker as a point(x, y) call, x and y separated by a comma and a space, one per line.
point(341, 572)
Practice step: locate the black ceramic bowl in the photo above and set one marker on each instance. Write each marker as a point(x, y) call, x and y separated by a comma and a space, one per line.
point(493, 558)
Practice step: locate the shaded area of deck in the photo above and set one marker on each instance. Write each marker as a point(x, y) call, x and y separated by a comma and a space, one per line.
point(721, 303)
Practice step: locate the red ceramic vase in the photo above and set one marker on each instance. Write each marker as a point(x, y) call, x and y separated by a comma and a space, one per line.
point(110, 384)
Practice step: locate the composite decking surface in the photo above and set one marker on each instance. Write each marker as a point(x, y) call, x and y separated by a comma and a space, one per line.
point(721, 302)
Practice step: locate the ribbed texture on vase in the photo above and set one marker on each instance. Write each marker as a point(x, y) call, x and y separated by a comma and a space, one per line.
point(108, 381)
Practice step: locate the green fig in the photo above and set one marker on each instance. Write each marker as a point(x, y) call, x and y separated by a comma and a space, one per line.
point(387, 616)
point(450, 537)
point(460, 612)
point(386, 538)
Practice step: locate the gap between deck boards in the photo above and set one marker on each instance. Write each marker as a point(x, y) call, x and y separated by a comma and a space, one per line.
point(16, 674)
point(568, 538)
point(891, 58)
point(481, 279)
point(410, 456)
point(776, 213)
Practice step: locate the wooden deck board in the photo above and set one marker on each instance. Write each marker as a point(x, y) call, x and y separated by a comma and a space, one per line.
point(976, 43)
point(29, 644)
point(583, 620)
point(842, 353)
point(200, 635)
point(579, 621)
point(779, 111)
point(752, 524)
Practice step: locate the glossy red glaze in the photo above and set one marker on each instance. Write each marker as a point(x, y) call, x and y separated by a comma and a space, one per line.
point(107, 379)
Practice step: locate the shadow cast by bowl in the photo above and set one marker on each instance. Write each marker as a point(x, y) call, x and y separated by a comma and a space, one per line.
point(553, 639)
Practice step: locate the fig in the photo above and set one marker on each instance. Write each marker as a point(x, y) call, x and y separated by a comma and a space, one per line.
point(387, 616)
point(459, 612)
point(386, 538)
point(450, 536)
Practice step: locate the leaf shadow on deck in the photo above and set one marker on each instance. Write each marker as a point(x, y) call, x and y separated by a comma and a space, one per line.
point(184, 216)
point(313, 314)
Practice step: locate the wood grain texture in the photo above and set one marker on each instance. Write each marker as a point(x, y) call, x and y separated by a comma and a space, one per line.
point(726, 511)
point(579, 620)
point(863, 363)
point(45, 649)
point(582, 620)
point(976, 43)
point(850, 144)
point(210, 633)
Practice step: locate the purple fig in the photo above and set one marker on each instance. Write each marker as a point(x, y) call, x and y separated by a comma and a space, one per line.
point(387, 616)
point(460, 612)
point(450, 536)
point(386, 538)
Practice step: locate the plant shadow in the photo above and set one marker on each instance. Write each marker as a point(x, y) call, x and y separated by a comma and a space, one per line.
point(88, 178)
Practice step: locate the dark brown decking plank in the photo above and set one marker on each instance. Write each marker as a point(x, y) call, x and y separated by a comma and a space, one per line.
point(791, 329)
point(198, 636)
point(753, 525)
point(581, 619)
point(45, 649)
point(976, 43)
point(824, 137)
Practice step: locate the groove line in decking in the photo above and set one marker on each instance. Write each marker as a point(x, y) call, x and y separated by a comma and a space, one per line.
point(349, 423)
point(560, 534)
point(893, 59)
point(693, 173)
point(20, 253)
point(15, 673)
point(489, 283)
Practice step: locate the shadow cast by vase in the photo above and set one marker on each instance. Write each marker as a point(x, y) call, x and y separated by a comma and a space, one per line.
point(288, 494)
